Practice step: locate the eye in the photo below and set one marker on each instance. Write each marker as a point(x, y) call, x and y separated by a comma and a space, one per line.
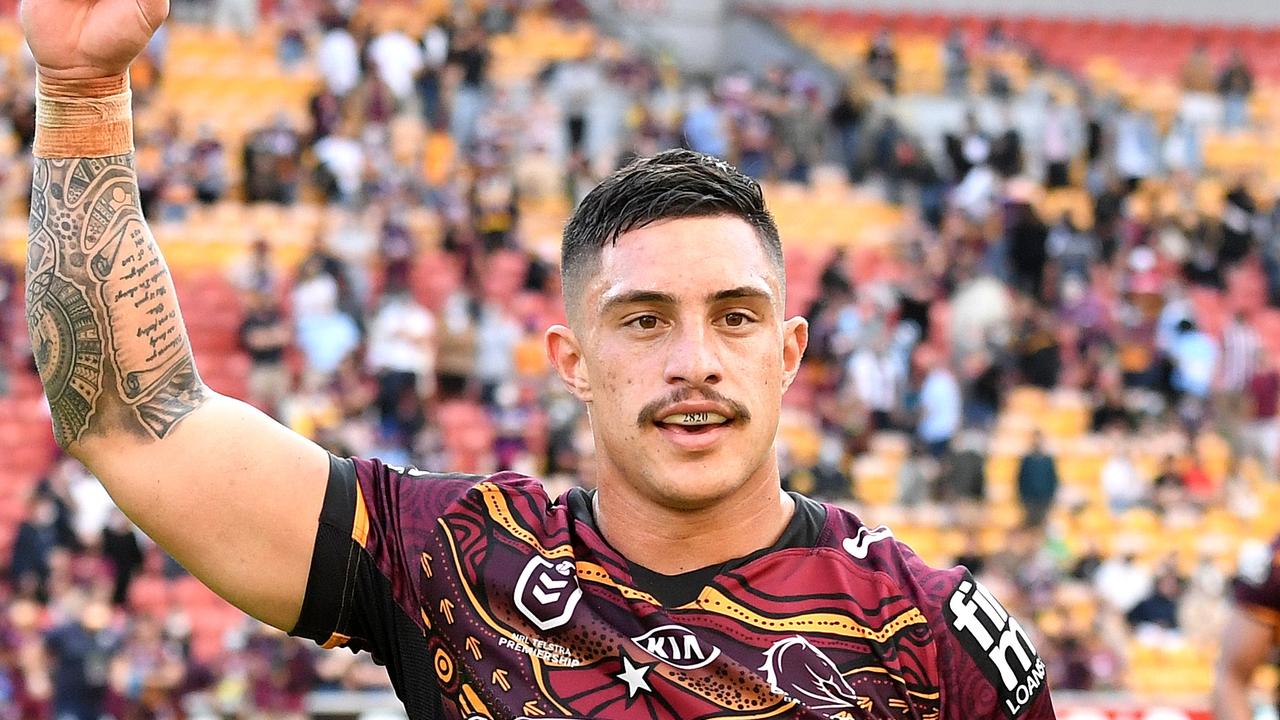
point(736, 319)
point(644, 322)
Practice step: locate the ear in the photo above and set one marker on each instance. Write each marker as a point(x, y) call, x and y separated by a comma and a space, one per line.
point(566, 357)
point(795, 338)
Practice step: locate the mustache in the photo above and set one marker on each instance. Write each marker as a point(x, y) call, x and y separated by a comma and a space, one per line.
point(649, 413)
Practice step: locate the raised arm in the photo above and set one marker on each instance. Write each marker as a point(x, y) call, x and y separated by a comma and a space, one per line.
point(231, 494)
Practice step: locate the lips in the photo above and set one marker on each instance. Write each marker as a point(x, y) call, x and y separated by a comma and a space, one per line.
point(695, 425)
point(703, 438)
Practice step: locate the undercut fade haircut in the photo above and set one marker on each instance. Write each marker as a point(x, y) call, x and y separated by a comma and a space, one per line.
point(670, 185)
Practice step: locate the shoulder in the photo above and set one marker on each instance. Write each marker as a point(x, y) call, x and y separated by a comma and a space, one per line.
point(875, 549)
point(985, 657)
point(416, 495)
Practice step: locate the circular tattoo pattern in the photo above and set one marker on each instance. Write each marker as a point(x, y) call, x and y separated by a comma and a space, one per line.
point(68, 351)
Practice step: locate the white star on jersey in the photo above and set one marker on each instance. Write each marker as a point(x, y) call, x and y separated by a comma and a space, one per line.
point(633, 676)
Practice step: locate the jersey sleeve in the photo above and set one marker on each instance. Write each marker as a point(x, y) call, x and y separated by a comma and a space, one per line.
point(988, 667)
point(1256, 586)
point(365, 568)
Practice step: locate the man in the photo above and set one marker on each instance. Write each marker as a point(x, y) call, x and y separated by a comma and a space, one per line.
point(264, 337)
point(940, 403)
point(688, 586)
point(1037, 482)
point(1252, 632)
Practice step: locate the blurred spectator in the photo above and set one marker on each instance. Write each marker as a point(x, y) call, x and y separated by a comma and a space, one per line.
point(238, 15)
point(1121, 482)
point(401, 355)
point(1241, 346)
point(955, 58)
point(1039, 354)
point(272, 162)
point(1160, 608)
point(917, 478)
point(882, 62)
point(847, 118)
point(964, 476)
point(494, 206)
point(496, 337)
point(705, 129)
point(470, 53)
point(264, 337)
point(294, 24)
point(1136, 146)
point(972, 557)
point(281, 673)
point(1169, 488)
point(35, 540)
point(208, 166)
point(940, 404)
point(1195, 361)
point(1122, 582)
point(325, 334)
point(435, 52)
point(256, 273)
point(1061, 142)
point(146, 673)
point(874, 378)
point(1027, 239)
point(1037, 482)
point(80, 645)
point(802, 130)
point(1235, 85)
point(1197, 71)
point(456, 350)
point(1238, 222)
point(338, 57)
point(341, 165)
point(121, 549)
point(397, 59)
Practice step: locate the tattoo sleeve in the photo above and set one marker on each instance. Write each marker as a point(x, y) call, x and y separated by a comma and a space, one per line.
point(104, 321)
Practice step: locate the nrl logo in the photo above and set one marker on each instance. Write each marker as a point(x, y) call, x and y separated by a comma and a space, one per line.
point(547, 593)
point(677, 646)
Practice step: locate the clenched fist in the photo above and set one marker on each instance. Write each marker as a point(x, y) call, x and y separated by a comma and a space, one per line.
point(87, 39)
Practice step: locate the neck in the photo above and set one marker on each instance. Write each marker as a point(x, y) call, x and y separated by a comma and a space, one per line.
point(674, 540)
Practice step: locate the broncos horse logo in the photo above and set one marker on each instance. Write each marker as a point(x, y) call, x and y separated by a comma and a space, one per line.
point(795, 667)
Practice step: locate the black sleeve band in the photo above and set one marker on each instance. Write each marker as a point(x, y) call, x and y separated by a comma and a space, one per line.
point(331, 583)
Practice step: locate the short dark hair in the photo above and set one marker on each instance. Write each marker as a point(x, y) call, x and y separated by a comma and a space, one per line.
point(672, 184)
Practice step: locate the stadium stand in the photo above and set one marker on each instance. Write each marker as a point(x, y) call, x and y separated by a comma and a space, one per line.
point(1047, 349)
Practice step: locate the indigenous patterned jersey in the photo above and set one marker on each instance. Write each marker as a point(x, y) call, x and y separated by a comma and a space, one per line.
point(486, 599)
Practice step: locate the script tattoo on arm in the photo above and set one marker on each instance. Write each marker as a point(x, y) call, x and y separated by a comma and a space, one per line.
point(105, 327)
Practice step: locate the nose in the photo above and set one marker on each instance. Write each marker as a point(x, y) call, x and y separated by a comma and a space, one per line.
point(692, 357)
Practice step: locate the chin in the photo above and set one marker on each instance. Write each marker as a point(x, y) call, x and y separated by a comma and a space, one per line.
point(692, 489)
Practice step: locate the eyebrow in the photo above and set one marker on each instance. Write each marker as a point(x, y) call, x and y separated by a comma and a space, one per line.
point(742, 292)
point(653, 297)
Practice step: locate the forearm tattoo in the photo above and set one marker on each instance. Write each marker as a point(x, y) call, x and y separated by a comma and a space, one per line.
point(105, 327)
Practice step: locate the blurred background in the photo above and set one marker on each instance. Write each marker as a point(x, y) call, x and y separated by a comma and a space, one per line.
point(1037, 241)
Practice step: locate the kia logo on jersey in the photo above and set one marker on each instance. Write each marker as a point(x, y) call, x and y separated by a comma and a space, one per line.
point(547, 593)
point(677, 646)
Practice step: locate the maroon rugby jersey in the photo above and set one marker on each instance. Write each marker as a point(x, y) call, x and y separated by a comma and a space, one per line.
point(487, 599)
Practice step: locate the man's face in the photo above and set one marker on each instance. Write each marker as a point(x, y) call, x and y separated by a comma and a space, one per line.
point(682, 354)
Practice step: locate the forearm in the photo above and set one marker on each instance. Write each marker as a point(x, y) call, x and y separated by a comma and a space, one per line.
point(1231, 699)
point(105, 327)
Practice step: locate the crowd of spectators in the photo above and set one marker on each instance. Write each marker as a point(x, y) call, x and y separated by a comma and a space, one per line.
point(348, 349)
